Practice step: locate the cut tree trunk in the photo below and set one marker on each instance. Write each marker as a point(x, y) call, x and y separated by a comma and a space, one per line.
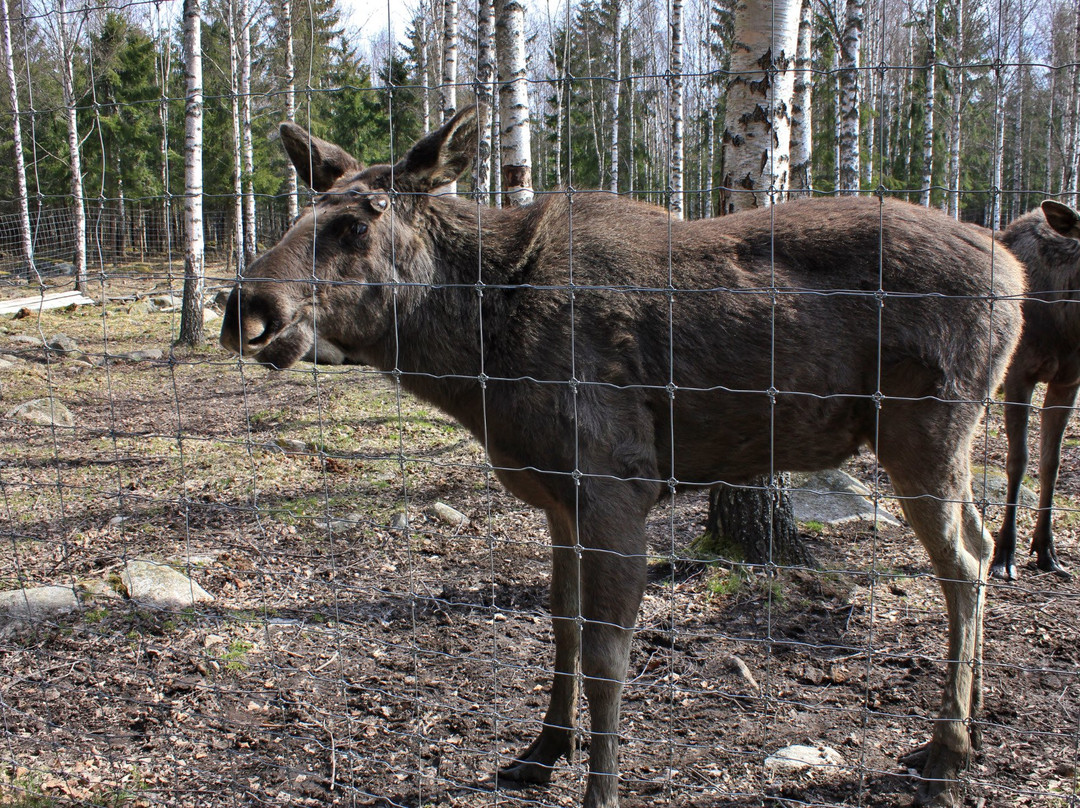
point(759, 519)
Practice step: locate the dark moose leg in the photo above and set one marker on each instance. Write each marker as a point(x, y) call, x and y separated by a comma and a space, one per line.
point(1018, 395)
point(1057, 409)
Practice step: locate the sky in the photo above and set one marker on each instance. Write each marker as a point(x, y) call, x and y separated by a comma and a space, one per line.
point(369, 17)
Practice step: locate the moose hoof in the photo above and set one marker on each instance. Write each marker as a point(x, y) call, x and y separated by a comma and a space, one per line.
point(536, 763)
point(1003, 571)
point(939, 786)
point(1050, 564)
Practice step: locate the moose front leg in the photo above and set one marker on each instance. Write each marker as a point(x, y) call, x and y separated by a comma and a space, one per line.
point(556, 738)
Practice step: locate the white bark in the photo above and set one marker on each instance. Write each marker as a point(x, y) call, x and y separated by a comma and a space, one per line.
point(67, 80)
point(957, 108)
point(801, 115)
point(485, 75)
point(850, 157)
point(757, 124)
point(677, 204)
point(513, 102)
point(191, 319)
point(928, 104)
point(237, 140)
point(448, 82)
point(292, 188)
point(17, 144)
point(616, 87)
point(250, 236)
point(1072, 156)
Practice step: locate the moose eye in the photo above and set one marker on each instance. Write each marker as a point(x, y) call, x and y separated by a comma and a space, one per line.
point(358, 229)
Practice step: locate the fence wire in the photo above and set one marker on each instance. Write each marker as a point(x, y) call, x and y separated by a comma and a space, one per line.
point(224, 585)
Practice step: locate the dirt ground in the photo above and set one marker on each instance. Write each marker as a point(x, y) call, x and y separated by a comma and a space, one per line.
point(360, 663)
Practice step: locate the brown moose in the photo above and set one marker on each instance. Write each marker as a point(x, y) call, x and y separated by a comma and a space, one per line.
point(1045, 240)
point(605, 355)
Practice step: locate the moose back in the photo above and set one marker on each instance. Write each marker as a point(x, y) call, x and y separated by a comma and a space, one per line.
point(604, 355)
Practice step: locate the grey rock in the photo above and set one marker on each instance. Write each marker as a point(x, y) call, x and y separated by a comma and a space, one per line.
point(399, 521)
point(221, 299)
point(339, 524)
point(62, 343)
point(26, 339)
point(293, 446)
point(154, 584)
point(145, 355)
point(7, 362)
point(451, 516)
point(834, 497)
point(799, 756)
point(38, 603)
point(736, 664)
point(993, 487)
point(44, 411)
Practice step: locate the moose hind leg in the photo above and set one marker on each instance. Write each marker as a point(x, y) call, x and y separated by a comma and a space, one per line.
point(933, 481)
point(556, 738)
point(1057, 408)
point(1018, 395)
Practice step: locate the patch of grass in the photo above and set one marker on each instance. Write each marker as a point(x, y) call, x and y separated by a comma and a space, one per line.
point(24, 792)
point(727, 582)
point(812, 526)
point(95, 615)
point(235, 656)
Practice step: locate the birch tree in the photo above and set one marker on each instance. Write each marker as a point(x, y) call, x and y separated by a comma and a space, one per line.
point(677, 202)
point(850, 157)
point(957, 97)
point(928, 105)
point(67, 36)
point(802, 129)
point(757, 122)
point(485, 74)
point(191, 317)
point(759, 517)
point(448, 80)
point(17, 143)
point(292, 189)
point(237, 139)
point(515, 133)
point(616, 88)
point(244, 13)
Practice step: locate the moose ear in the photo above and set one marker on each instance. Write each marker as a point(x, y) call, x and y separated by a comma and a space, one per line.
point(441, 156)
point(1061, 218)
point(319, 164)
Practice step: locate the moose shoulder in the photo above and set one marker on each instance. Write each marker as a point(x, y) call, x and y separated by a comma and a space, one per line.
point(604, 354)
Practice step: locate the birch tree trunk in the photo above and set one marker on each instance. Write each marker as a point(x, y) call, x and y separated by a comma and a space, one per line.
point(191, 317)
point(616, 87)
point(448, 80)
point(1072, 155)
point(677, 205)
point(67, 80)
point(423, 64)
point(850, 157)
point(928, 105)
point(801, 114)
point(838, 117)
point(1049, 145)
point(16, 131)
point(757, 123)
point(485, 73)
point(999, 149)
point(250, 236)
point(760, 517)
point(957, 108)
point(515, 133)
point(237, 140)
point(292, 188)
point(1017, 181)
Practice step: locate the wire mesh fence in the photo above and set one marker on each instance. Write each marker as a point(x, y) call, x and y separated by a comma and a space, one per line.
point(227, 584)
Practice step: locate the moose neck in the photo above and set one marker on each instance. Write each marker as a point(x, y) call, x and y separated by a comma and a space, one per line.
point(446, 319)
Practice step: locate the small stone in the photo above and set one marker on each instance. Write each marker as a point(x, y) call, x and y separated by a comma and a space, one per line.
point(145, 355)
point(399, 521)
point(44, 411)
point(799, 756)
point(741, 668)
point(62, 343)
point(38, 603)
point(155, 584)
point(293, 446)
point(450, 516)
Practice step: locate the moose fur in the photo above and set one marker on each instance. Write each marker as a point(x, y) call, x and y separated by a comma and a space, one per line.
point(1046, 241)
point(604, 355)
